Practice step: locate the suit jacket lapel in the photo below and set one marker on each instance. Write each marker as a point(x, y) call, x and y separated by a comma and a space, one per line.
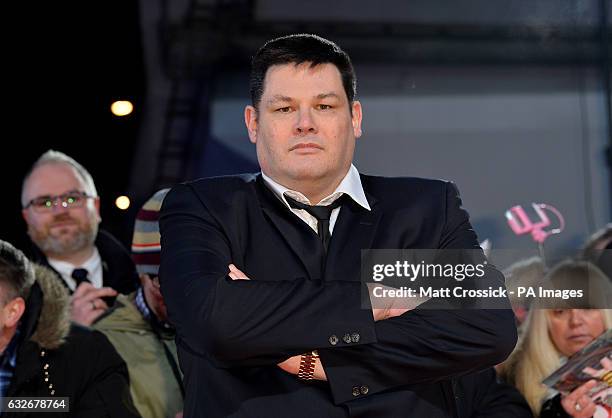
point(302, 240)
point(354, 230)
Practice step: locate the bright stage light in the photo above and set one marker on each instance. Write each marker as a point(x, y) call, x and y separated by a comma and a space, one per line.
point(122, 107)
point(122, 202)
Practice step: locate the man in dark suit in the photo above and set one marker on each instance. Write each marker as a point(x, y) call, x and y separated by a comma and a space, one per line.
point(61, 208)
point(265, 290)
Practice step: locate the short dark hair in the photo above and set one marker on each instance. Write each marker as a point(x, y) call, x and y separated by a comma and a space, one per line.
point(16, 272)
point(297, 49)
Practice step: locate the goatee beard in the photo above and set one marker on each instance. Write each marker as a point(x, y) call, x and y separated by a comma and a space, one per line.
point(82, 238)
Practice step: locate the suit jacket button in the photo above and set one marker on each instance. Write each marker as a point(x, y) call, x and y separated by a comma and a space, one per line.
point(346, 338)
point(364, 390)
point(333, 340)
point(355, 337)
point(356, 391)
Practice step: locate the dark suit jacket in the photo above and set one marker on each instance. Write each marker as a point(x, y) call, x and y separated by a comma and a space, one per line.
point(482, 395)
point(231, 334)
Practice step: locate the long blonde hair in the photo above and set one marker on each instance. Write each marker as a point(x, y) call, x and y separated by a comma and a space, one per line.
point(536, 356)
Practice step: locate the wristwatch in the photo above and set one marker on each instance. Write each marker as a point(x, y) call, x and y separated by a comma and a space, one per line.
point(607, 377)
point(307, 365)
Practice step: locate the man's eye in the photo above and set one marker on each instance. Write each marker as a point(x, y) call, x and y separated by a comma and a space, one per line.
point(285, 109)
point(324, 106)
point(46, 203)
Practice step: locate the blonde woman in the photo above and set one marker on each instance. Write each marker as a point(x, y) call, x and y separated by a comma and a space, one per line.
point(552, 335)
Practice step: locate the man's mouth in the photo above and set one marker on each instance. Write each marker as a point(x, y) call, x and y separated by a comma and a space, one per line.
point(62, 224)
point(305, 146)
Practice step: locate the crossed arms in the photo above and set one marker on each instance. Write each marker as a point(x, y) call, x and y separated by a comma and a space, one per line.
point(247, 323)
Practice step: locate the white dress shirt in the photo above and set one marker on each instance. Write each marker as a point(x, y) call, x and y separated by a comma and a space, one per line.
point(93, 265)
point(350, 185)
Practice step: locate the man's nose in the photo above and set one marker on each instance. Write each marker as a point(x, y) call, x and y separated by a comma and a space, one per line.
point(59, 206)
point(305, 124)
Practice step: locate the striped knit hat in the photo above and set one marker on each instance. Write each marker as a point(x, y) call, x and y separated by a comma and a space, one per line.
point(146, 241)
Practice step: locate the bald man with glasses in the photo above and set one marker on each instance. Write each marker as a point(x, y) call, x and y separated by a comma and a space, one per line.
point(61, 208)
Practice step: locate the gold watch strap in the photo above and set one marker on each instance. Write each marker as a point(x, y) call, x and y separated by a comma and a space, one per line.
point(308, 362)
point(607, 377)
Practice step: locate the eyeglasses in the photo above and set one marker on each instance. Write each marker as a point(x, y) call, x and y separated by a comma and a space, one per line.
point(68, 200)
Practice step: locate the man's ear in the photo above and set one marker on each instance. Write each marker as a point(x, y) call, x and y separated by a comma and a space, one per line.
point(356, 118)
point(97, 205)
point(143, 277)
point(25, 215)
point(250, 119)
point(13, 311)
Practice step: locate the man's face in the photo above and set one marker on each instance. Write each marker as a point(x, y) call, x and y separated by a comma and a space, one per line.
point(303, 129)
point(152, 293)
point(61, 230)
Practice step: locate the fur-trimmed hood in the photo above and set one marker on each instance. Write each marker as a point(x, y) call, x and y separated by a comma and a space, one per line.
point(53, 322)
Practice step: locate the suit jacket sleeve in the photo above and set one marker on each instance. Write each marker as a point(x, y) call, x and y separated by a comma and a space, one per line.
point(426, 345)
point(243, 322)
point(488, 397)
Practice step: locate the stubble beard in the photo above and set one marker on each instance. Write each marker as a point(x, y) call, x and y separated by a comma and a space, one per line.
point(82, 237)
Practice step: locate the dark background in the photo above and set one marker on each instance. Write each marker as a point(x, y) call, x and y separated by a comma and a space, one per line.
point(68, 62)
